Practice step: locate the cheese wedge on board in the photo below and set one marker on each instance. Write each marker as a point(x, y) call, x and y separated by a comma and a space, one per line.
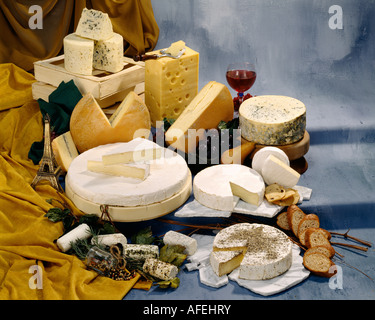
point(213, 104)
point(136, 171)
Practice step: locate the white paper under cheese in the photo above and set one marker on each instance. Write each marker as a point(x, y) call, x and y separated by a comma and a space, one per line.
point(95, 25)
point(276, 171)
point(177, 238)
point(160, 269)
point(78, 54)
point(80, 232)
point(272, 120)
point(108, 54)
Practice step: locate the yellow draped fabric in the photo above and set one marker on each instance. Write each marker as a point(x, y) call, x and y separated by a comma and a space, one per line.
point(23, 45)
point(27, 247)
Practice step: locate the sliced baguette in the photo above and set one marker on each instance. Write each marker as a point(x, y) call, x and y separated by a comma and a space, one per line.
point(282, 221)
point(327, 250)
point(295, 215)
point(316, 237)
point(319, 264)
point(309, 221)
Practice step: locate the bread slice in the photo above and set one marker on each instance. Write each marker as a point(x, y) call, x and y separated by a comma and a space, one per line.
point(309, 221)
point(295, 215)
point(327, 250)
point(316, 237)
point(319, 264)
point(282, 221)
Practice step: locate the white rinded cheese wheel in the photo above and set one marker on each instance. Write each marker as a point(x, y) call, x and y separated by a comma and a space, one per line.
point(168, 176)
point(261, 156)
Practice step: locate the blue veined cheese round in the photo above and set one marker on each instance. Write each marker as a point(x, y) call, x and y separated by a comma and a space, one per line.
point(272, 120)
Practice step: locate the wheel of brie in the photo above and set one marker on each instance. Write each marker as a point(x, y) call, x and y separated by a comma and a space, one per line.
point(267, 251)
point(167, 186)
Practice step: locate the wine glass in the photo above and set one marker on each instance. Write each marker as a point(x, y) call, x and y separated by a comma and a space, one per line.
point(241, 77)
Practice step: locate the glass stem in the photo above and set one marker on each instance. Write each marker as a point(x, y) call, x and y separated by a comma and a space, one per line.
point(240, 97)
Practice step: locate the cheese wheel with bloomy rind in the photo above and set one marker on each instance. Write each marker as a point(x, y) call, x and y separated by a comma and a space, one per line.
point(90, 127)
point(272, 120)
point(260, 157)
point(268, 251)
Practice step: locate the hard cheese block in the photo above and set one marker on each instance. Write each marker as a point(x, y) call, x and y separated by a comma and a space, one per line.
point(213, 104)
point(90, 127)
point(78, 54)
point(94, 25)
point(108, 54)
point(171, 84)
point(272, 120)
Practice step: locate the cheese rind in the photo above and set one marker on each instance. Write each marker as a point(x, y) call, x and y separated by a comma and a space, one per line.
point(136, 171)
point(78, 54)
point(90, 127)
point(64, 150)
point(276, 171)
point(95, 25)
point(268, 250)
point(213, 104)
point(171, 84)
point(272, 120)
point(108, 54)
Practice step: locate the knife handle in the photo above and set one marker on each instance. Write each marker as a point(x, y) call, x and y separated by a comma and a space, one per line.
point(144, 57)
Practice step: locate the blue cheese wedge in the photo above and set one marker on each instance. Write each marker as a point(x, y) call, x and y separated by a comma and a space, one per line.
point(94, 25)
point(272, 120)
point(78, 54)
point(108, 54)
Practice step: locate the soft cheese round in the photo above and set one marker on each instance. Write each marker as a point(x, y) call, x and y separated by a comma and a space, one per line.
point(212, 189)
point(167, 176)
point(268, 250)
point(260, 157)
point(272, 120)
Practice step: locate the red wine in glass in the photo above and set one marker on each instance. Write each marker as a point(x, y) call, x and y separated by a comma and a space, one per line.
point(241, 77)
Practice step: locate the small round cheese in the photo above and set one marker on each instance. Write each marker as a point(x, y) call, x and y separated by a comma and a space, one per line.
point(272, 120)
point(260, 157)
point(268, 251)
point(212, 186)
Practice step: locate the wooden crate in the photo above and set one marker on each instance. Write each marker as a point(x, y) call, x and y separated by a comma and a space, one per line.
point(101, 84)
point(43, 90)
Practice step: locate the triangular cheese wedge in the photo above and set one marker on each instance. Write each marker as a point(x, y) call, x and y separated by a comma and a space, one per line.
point(90, 127)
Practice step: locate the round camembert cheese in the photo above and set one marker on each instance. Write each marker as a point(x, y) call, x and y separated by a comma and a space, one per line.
point(267, 250)
point(167, 176)
point(272, 120)
point(217, 186)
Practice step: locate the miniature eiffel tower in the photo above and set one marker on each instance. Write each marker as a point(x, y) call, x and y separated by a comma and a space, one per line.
point(48, 169)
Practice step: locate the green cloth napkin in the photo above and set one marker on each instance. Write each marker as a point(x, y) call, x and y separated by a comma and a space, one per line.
point(59, 107)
